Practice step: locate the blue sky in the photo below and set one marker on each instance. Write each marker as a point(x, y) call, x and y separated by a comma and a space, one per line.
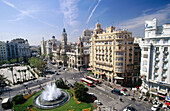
point(34, 19)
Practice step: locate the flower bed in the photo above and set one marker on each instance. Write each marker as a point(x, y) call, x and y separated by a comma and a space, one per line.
point(74, 97)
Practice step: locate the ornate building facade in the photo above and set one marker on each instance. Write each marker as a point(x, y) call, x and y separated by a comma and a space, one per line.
point(112, 54)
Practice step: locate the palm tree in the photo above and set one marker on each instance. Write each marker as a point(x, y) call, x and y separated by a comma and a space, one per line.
point(11, 69)
point(28, 72)
point(16, 77)
point(19, 71)
point(24, 73)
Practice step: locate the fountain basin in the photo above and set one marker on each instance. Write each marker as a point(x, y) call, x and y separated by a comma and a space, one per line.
point(42, 102)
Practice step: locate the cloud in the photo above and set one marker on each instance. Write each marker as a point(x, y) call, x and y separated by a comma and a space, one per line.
point(25, 13)
point(70, 11)
point(137, 22)
point(91, 14)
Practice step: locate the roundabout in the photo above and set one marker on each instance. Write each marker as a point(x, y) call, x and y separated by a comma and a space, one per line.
point(51, 97)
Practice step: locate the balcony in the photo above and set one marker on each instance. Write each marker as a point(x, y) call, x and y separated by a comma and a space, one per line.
point(164, 75)
point(164, 68)
point(165, 60)
point(156, 74)
point(157, 52)
point(157, 59)
point(156, 67)
point(166, 52)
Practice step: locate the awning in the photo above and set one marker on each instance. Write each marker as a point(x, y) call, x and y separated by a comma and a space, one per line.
point(118, 77)
point(162, 92)
point(155, 93)
point(160, 95)
point(89, 69)
point(144, 90)
point(167, 98)
point(167, 103)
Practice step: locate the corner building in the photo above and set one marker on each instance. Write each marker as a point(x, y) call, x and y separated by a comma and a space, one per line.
point(155, 59)
point(112, 54)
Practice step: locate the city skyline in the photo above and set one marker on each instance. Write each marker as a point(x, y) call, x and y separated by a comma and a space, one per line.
point(33, 20)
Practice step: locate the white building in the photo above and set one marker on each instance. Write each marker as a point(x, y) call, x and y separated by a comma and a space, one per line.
point(3, 51)
point(155, 59)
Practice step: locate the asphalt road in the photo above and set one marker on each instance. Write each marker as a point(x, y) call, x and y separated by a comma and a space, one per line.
point(103, 93)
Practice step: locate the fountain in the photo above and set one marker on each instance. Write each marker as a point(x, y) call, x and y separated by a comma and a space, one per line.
point(51, 97)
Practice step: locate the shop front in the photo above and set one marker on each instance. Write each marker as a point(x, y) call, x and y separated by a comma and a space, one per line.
point(161, 95)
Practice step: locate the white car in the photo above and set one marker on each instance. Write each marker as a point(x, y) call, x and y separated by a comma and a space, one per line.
point(98, 102)
point(123, 92)
point(129, 109)
point(155, 107)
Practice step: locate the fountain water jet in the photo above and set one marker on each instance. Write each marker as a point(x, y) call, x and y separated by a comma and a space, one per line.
point(51, 97)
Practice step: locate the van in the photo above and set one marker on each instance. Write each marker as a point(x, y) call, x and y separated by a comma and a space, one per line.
point(6, 103)
point(116, 91)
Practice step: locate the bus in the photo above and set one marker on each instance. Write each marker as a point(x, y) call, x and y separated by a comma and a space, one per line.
point(85, 81)
point(93, 79)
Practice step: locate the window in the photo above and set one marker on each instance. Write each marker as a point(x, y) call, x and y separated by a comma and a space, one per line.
point(165, 48)
point(145, 49)
point(145, 55)
point(119, 42)
point(119, 53)
point(157, 41)
point(110, 43)
point(144, 69)
point(166, 41)
point(157, 48)
point(145, 62)
point(130, 42)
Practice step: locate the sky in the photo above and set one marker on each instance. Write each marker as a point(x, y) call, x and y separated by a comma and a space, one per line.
point(34, 19)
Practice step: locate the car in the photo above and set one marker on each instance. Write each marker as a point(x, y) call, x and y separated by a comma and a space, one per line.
point(58, 67)
point(98, 102)
point(155, 107)
point(91, 94)
point(116, 91)
point(129, 109)
point(70, 85)
point(133, 98)
point(123, 92)
point(145, 99)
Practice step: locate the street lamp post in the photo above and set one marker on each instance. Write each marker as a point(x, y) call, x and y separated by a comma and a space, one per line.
point(65, 75)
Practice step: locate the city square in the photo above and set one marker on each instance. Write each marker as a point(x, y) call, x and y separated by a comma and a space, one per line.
point(85, 55)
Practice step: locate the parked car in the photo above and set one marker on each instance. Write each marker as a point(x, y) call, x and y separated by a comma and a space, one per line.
point(98, 102)
point(145, 99)
point(155, 107)
point(70, 85)
point(133, 98)
point(123, 92)
point(129, 109)
point(116, 91)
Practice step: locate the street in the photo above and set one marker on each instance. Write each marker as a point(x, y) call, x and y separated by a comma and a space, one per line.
point(109, 100)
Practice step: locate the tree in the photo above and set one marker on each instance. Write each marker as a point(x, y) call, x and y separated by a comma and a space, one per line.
point(11, 69)
point(37, 63)
point(80, 91)
point(24, 74)
point(65, 59)
point(19, 71)
point(7, 62)
point(13, 60)
point(50, 56)
point(20, 59)
point(3, 81)
point(60, 84)
point(19, 99)
point(1, 62)
point(43, 56)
